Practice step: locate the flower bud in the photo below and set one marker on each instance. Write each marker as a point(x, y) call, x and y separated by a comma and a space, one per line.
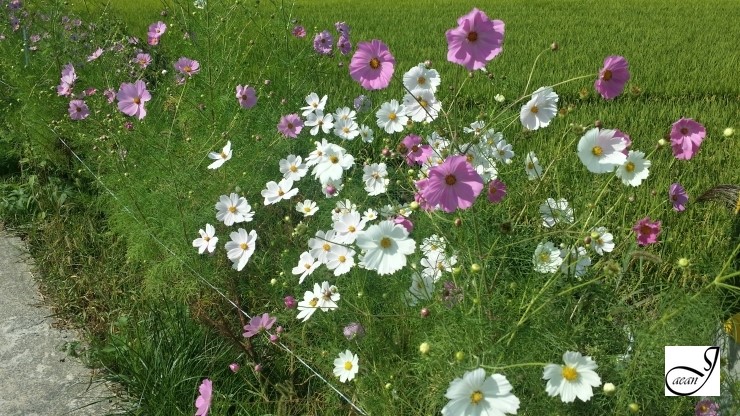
point(424, 312)
point(634, 407)
point(424, 348)
point(554, 46)
point(459, 356)
point(234, 367)
point(728, 132)
point(609, 389)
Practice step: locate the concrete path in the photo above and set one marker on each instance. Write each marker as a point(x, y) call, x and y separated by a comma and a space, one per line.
point(37, 376)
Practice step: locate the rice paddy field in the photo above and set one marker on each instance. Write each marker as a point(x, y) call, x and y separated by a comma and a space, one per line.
point(113, 202)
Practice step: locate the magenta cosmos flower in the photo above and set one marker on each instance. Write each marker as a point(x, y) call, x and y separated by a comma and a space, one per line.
point(290, 125)
point(322, 43)
point(372, 65)
point(496, 191)
point(678, 197)
point(131, 99)
point(686, 137)
point(647, 231)
point(246, 95)
point(78, 110)
point(187, 66)
point(475, 41)
point(203, 402)
point(299, 32)
point(612, 77)
point(258, 324)
point(453, 184)
point(414, 151)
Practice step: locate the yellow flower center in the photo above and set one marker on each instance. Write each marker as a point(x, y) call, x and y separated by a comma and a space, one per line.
point(392, 116)
point(223, 155)
point(469, 158)
point(280, 192)
point(530, 166)
point(293, 168)
point(206, 238)
point(545, 257)
point(570, 373)
point(421, 80)
point(629, 167)
point(326, 247)
point(306, 209)
point(450, 180)
point(244, 246)
point(597, 151)
point(137, 100)
point(342, 259)
point(375, 63)
point(313, 302)
point(476, 397)
point(472, 36)
point(187, 69)
point(422, 103)
point(385, 242)
point(333, 159)
point(351, 228)
point(307, 266)
point(607, 75)
point(232, 209)
point(347, 365)
point(534, 109)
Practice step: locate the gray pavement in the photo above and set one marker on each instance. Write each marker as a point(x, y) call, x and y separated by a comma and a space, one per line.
point(37, 376)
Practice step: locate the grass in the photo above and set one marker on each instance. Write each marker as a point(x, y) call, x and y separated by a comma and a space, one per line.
point(119, 257)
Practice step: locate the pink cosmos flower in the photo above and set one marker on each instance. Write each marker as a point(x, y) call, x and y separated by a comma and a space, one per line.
point(342, 28)
point(187, 66)
point(678, 197)
point(344, 45)
point(626, 139)
point(496, 191)
point(290, 302)
point(131, 99)
point(415, 152)
point(64, 89)
point(647, 231)
point(258, 324)
point(143, 59)
point(372, 65)
point(290, 125)
point(110, 94)
point(476, 40)
point(299, 32)
point(156, 30)
point(322, 43)
point(203, 402)
point(95, 55)
point(78, 110)
point(453, 184)
point(152, 41)
point(686, 137)
point(405, 222)
point(234, 367)
point(612, 77)
point(706, 407)
point(69, 76)
point(246, 95)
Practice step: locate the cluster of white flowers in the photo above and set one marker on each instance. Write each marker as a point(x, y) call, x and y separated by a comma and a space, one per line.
point(322, 297)
point(342, 123)
point(604, 151)
point(435, 262)
point(419, 104)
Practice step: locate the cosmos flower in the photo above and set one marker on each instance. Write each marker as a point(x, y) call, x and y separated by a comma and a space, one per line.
point(612, 77)
point(686, 137)
point(477, 395)
point(372, 65)
point(476, 40)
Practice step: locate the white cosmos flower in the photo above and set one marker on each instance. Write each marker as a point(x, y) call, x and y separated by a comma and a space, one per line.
point(241, 247)
point(207, 240)
point(347, 226)
point(602, 241)
point(554, 212)
point(421, 77)
point(306, 266)
point(333, 164)
point(318, 154)
point(546, 258)
point(276, 192)
point(319, 121)
point(321, 245)
point(392, 117)
point(575, 261)
point(385, 247)
point(322, 297)
point(477, 395)
point(436, 263)
point(369, 215)
point(366, 134)
point(233, 209)
point(346, 366)
point(340, 259)
point(345, 113)
point(342, 207)
point(575, 379)
point(532, 166)
point(314, 103)
point(437, 142)
point(433, 246)
point(600, 151)
point(307, 207)
point(540, 109)
point(422, 105)
point(635, 169)
point(499, 98)
point(292, 168)
point(503, 151)
point(220, 158)
point(476, 127)
point(346, 129)
point(422, 288)
point(376, 179)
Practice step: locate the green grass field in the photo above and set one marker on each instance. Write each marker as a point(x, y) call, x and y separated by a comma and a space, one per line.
point(113, 231)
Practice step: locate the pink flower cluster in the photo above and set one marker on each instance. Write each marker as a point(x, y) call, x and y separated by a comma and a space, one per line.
point(155, 31)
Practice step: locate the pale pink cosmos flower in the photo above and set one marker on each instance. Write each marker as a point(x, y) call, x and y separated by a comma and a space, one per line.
point(647, 231)
point(299, 32)
point(131, 99)
point(187, 66)
point(290, 125)
point(258, 324)
point(496, 191)
point(476, 40)
point(78, 110)
point(203, 402)
point(110, 94)
point(95, 55)
point(612, 77)
point(686, 137)
point(453, 184)
point(344, 45)
point(143, 59)
point(246, 95)
point(322, 43)
point(156, 30)
point(372, 65)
